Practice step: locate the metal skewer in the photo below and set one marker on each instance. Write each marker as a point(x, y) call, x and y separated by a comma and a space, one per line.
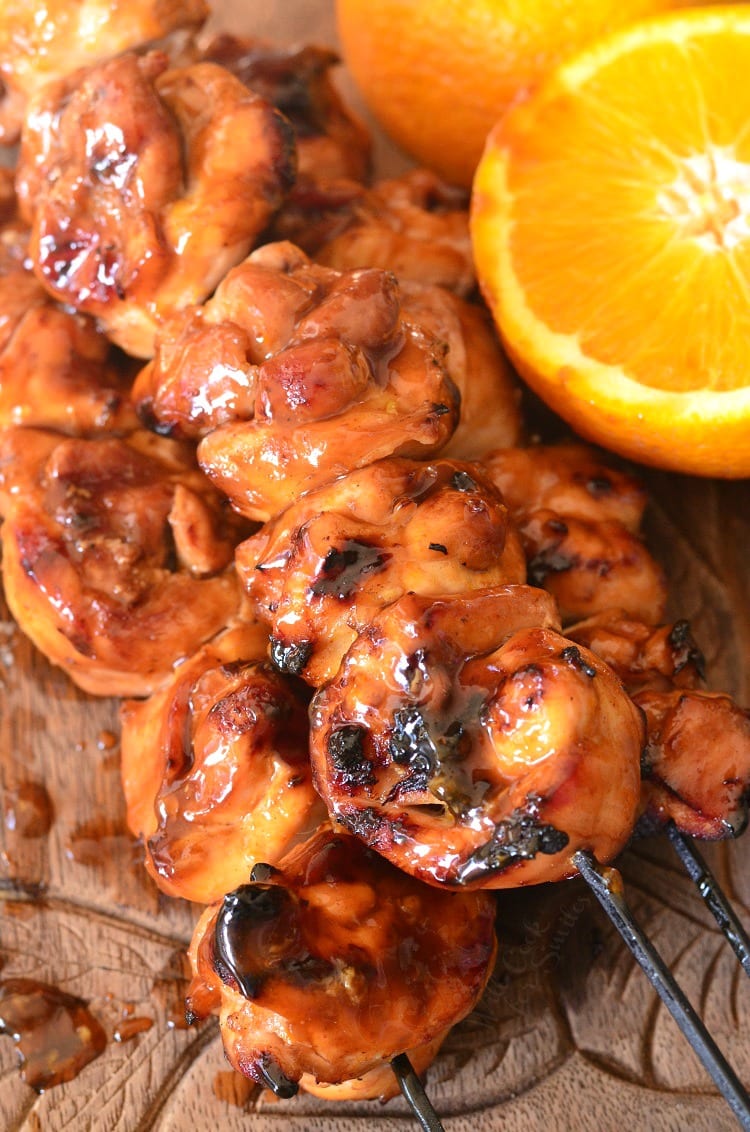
point(712, 895)
point(607, 887)
point(411, 1087)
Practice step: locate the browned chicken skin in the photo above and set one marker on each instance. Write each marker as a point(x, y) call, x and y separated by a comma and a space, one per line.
point(216, 770)
point(331, 142)
point(325, 970)
point(578, 520)
point(56, 369)
point(40, 43)
point(117, 555)
point(323, 569)
point(471, 744)
point(144, 185)
point(295, 374)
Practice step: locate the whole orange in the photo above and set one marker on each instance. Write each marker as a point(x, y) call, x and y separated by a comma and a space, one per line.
point(437, 74)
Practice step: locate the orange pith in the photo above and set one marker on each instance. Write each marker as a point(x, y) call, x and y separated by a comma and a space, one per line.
point(611, 222)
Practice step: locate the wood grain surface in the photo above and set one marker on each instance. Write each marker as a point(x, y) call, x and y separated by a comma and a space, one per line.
point(568, 1037)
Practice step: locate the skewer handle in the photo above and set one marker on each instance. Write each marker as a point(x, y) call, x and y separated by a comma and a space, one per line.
point(712, 895)
point(411, 1087)
point(612, 900)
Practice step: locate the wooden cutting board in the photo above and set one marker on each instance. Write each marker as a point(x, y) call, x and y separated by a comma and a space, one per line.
point(568, 1037)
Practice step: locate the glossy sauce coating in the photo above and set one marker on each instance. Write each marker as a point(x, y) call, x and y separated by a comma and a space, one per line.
point(336, 963)
point(56, 369)
point(143, 185)
point(41, 42)
point(470, 743)
point(215, 768)
point(117, 555)
point(284, 361)
point(322, 570)
point(331, 142)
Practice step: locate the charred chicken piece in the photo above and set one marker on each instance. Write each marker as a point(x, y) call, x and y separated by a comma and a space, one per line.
point(322, 570)
point(117, 555)
point(144, 185)
point(696, 765)
point(471, 744)
point(331, 142)
point(324, 970)
point(43, 42)
point(578, 520)
point(295, 374)
point(216, 770)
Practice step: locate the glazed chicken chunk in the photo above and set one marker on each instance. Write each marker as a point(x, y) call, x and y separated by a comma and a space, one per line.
point(332, 144)
point(117, 555)
point(56, 369)
point(43, 42)
point(471, 744)
point(322, 570)
point(696, 763)
point(216, 770)
point(143, 185)
point(294, 374)
point(579, 521)
point(325, 969)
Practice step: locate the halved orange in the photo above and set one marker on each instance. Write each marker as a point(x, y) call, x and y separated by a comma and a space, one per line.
point(611, 228)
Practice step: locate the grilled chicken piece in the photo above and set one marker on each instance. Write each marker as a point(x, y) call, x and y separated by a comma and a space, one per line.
point(117, 555)
point(56, 369)
point(571, 479)
point(331, 142)
point(322, 570)
point(696, 763)
point(645, 657)
point(295, 374)
point(490, 407)
point(470, 743)
point(578, 520)
point(414, 225)
point(43, 42)
point(216, 769)
point(144, 185)
point(324, 970)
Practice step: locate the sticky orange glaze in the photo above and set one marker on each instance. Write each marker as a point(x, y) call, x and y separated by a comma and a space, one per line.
point(470, 743)
point(117, 555)
point(331, 142)
point(215, 768)
point(143, 185)
point(294, 374)
point(322, 570)
point(336, 963)
point(42, 42)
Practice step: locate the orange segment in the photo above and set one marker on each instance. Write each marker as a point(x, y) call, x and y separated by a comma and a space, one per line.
point(611, 226)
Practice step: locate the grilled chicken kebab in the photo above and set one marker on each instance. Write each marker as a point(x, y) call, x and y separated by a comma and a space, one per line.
point(262, 475)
